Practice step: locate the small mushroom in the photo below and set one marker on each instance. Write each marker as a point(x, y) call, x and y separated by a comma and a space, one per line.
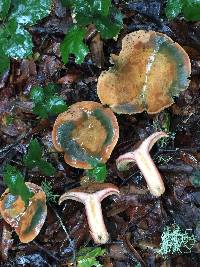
point(87, 133)
point(27, 221)
point(91, 196)
point(145, 163)
point(150, 70)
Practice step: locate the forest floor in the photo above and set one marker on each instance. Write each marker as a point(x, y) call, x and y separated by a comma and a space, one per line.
point(135, 221)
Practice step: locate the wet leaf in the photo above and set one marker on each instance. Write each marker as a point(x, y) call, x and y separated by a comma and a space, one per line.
point(99, 173)
point(88, 7)
point(4, 7)
point(15, 41)
point(34, 159)
point(191, 10)
point(37, 94)
point(110, 26)
point(30, 12)
point(46, 167)
point(87, 257)
point(56, 105)
point(47, 101)
point(73, 44)
point(195, 178)
point(15, 182)
point(40, 110)
point(173, 8)
point(4, 62)
point(34, 154)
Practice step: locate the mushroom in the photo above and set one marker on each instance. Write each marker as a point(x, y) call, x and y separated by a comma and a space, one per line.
point(145, 163)
point(150, 70)
point(91, 196)
point(87, 133)
point(27, 221)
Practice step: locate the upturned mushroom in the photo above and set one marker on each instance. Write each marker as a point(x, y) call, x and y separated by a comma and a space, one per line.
point(86, 133)
point(145, 163)
point(91, 196)
point(27, 221)
point(149, 71)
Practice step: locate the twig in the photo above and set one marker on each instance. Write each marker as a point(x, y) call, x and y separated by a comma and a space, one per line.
point(67, 234)
point(46, 251)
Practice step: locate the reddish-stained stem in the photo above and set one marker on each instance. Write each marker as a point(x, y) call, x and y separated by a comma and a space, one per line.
point(145, 163)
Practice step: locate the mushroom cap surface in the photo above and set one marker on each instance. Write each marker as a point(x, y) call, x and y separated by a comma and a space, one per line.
point(150, 70)
point(27, 221)
point(86, 133)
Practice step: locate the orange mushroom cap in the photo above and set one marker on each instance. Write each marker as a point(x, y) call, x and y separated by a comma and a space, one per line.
point(27, 222)
point(150, 70)
point(87, 133)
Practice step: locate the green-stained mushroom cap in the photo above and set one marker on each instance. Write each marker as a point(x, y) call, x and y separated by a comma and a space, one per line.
point(27, 221)
point(150, 70)
point(86, 133)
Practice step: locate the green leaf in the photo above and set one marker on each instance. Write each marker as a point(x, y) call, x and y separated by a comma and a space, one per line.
point(4, 63)
point(89, 7)
point(46, 168)
point(40, 110)
point(67, 3)
point(110, 27)
point(56, 105)
point(73, 44)
point(191, 10)
point(4, 7)
point(34, 159)
point(51, 89)
point(88, 262)
point(30, 12)
point(37, 94)
point(16, 42)
point(46, 101)
point(34, 154)
point(173, 8)
point(101, 6)
point(99, 173)
point(87, 256)
point(15, 182)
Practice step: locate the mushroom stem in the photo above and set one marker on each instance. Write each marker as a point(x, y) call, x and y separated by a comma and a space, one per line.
point(91, 196)
point(95, 220)
point(145, 163)
point(150, 172)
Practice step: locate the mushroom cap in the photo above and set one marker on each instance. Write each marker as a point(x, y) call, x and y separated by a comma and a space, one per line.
point(102, 190)
point(86, 133)
point(27, 222)
point(150, 70)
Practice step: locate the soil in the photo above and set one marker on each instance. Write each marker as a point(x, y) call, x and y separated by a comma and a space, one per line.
point(136, 220)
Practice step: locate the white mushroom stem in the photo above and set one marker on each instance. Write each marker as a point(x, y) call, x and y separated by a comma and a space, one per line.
point(92, 202)
point(95, 220)
point(145, 163)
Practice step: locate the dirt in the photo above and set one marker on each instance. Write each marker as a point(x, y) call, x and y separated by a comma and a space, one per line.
point(136, 220)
